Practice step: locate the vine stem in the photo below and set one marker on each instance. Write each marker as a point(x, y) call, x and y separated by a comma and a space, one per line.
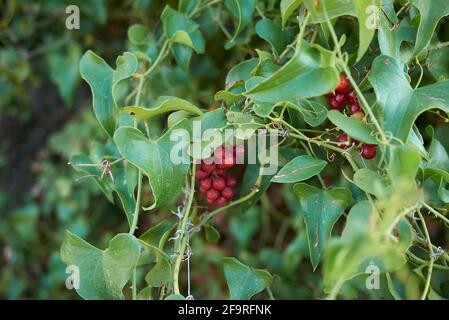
point(365, 104)
point(180, 245)
point(436, 213)
point(429, 243)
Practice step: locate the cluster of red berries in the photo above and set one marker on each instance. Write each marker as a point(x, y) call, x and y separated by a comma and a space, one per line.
point(367, 151)
point(343, 97)
point(215, 183)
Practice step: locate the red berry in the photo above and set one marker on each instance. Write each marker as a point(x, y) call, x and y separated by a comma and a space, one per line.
point(210, 202)
point(329, 94)
point(206, 184)
point(219, 184)
point(220, 173)
point(340, 98)
point(228, 193)
point(212, 194)
point(231, 182)
point(354, 107)
point(351, 97)
point(208, 168)
point(219, 154)
point(343, 85)
point(368, 151)
point(333, 104)
point(203, 190)
point(343, 138)
point(200, 174)
point(220, 202)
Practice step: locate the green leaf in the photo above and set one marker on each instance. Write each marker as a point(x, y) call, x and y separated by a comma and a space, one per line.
point(241, 71)
point(212, 234)
point(404, 165)
point(63, 71)
point(367, 23)
point(153, 158)
point(242, 10)
point(102, 80)
point(243, 281)
point(437, 63)
point(322, 208)
point(163, 105)
point(299, 169)
point(272, 32)
point(103, 273)
point(370, 182)
point(287, 9)
point(137, 33)
point(188, 6)
point(125, 180)
point(353, 126)
point(431, 12)
point(184, 33)
point(400, 104)
point(309, 73)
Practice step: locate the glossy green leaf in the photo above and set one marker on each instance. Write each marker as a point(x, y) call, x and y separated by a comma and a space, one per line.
point(299, 169)
point(322, 208)
point(287, 9)
point(272, 32)
point(309, 73)
point(102, 80)
point(367, 22)
point(188, 6)
point(241, 71)
point(353, 126)
point(242, 10)
point(404, 165)
point(400, 104)
point(103, 273)
point(153, 158)
point(437, 63)
point(431, 13)
point(243, 281)
point(164, 104)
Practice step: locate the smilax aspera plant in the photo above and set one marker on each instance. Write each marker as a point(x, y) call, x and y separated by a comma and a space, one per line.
point(355, 93)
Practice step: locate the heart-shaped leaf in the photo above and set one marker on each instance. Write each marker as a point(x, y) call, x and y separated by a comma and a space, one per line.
point(103, 273)
point(321, 208)
point(154, 159)
point(299, 169)
point(242, 10)
point(400, 104)
point(102, 80)
point(243, 281)
point(272, 32)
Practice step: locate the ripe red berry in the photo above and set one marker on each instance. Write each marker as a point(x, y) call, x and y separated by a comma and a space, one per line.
point(343, 85)
point(212, 194)
point(351, 97)
point(231, 182)
point(333, 104)
point(203, 190)
point(210, 202)
point(220, 173)
point(343, 138)
point(354, 107)
point(219, 183)
point(220, 202)
point(228, 193)
point(208, 168)
point(206, 184)
point(329, 94)
point(340, 98)
point(368, 151)
point(200, 174)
